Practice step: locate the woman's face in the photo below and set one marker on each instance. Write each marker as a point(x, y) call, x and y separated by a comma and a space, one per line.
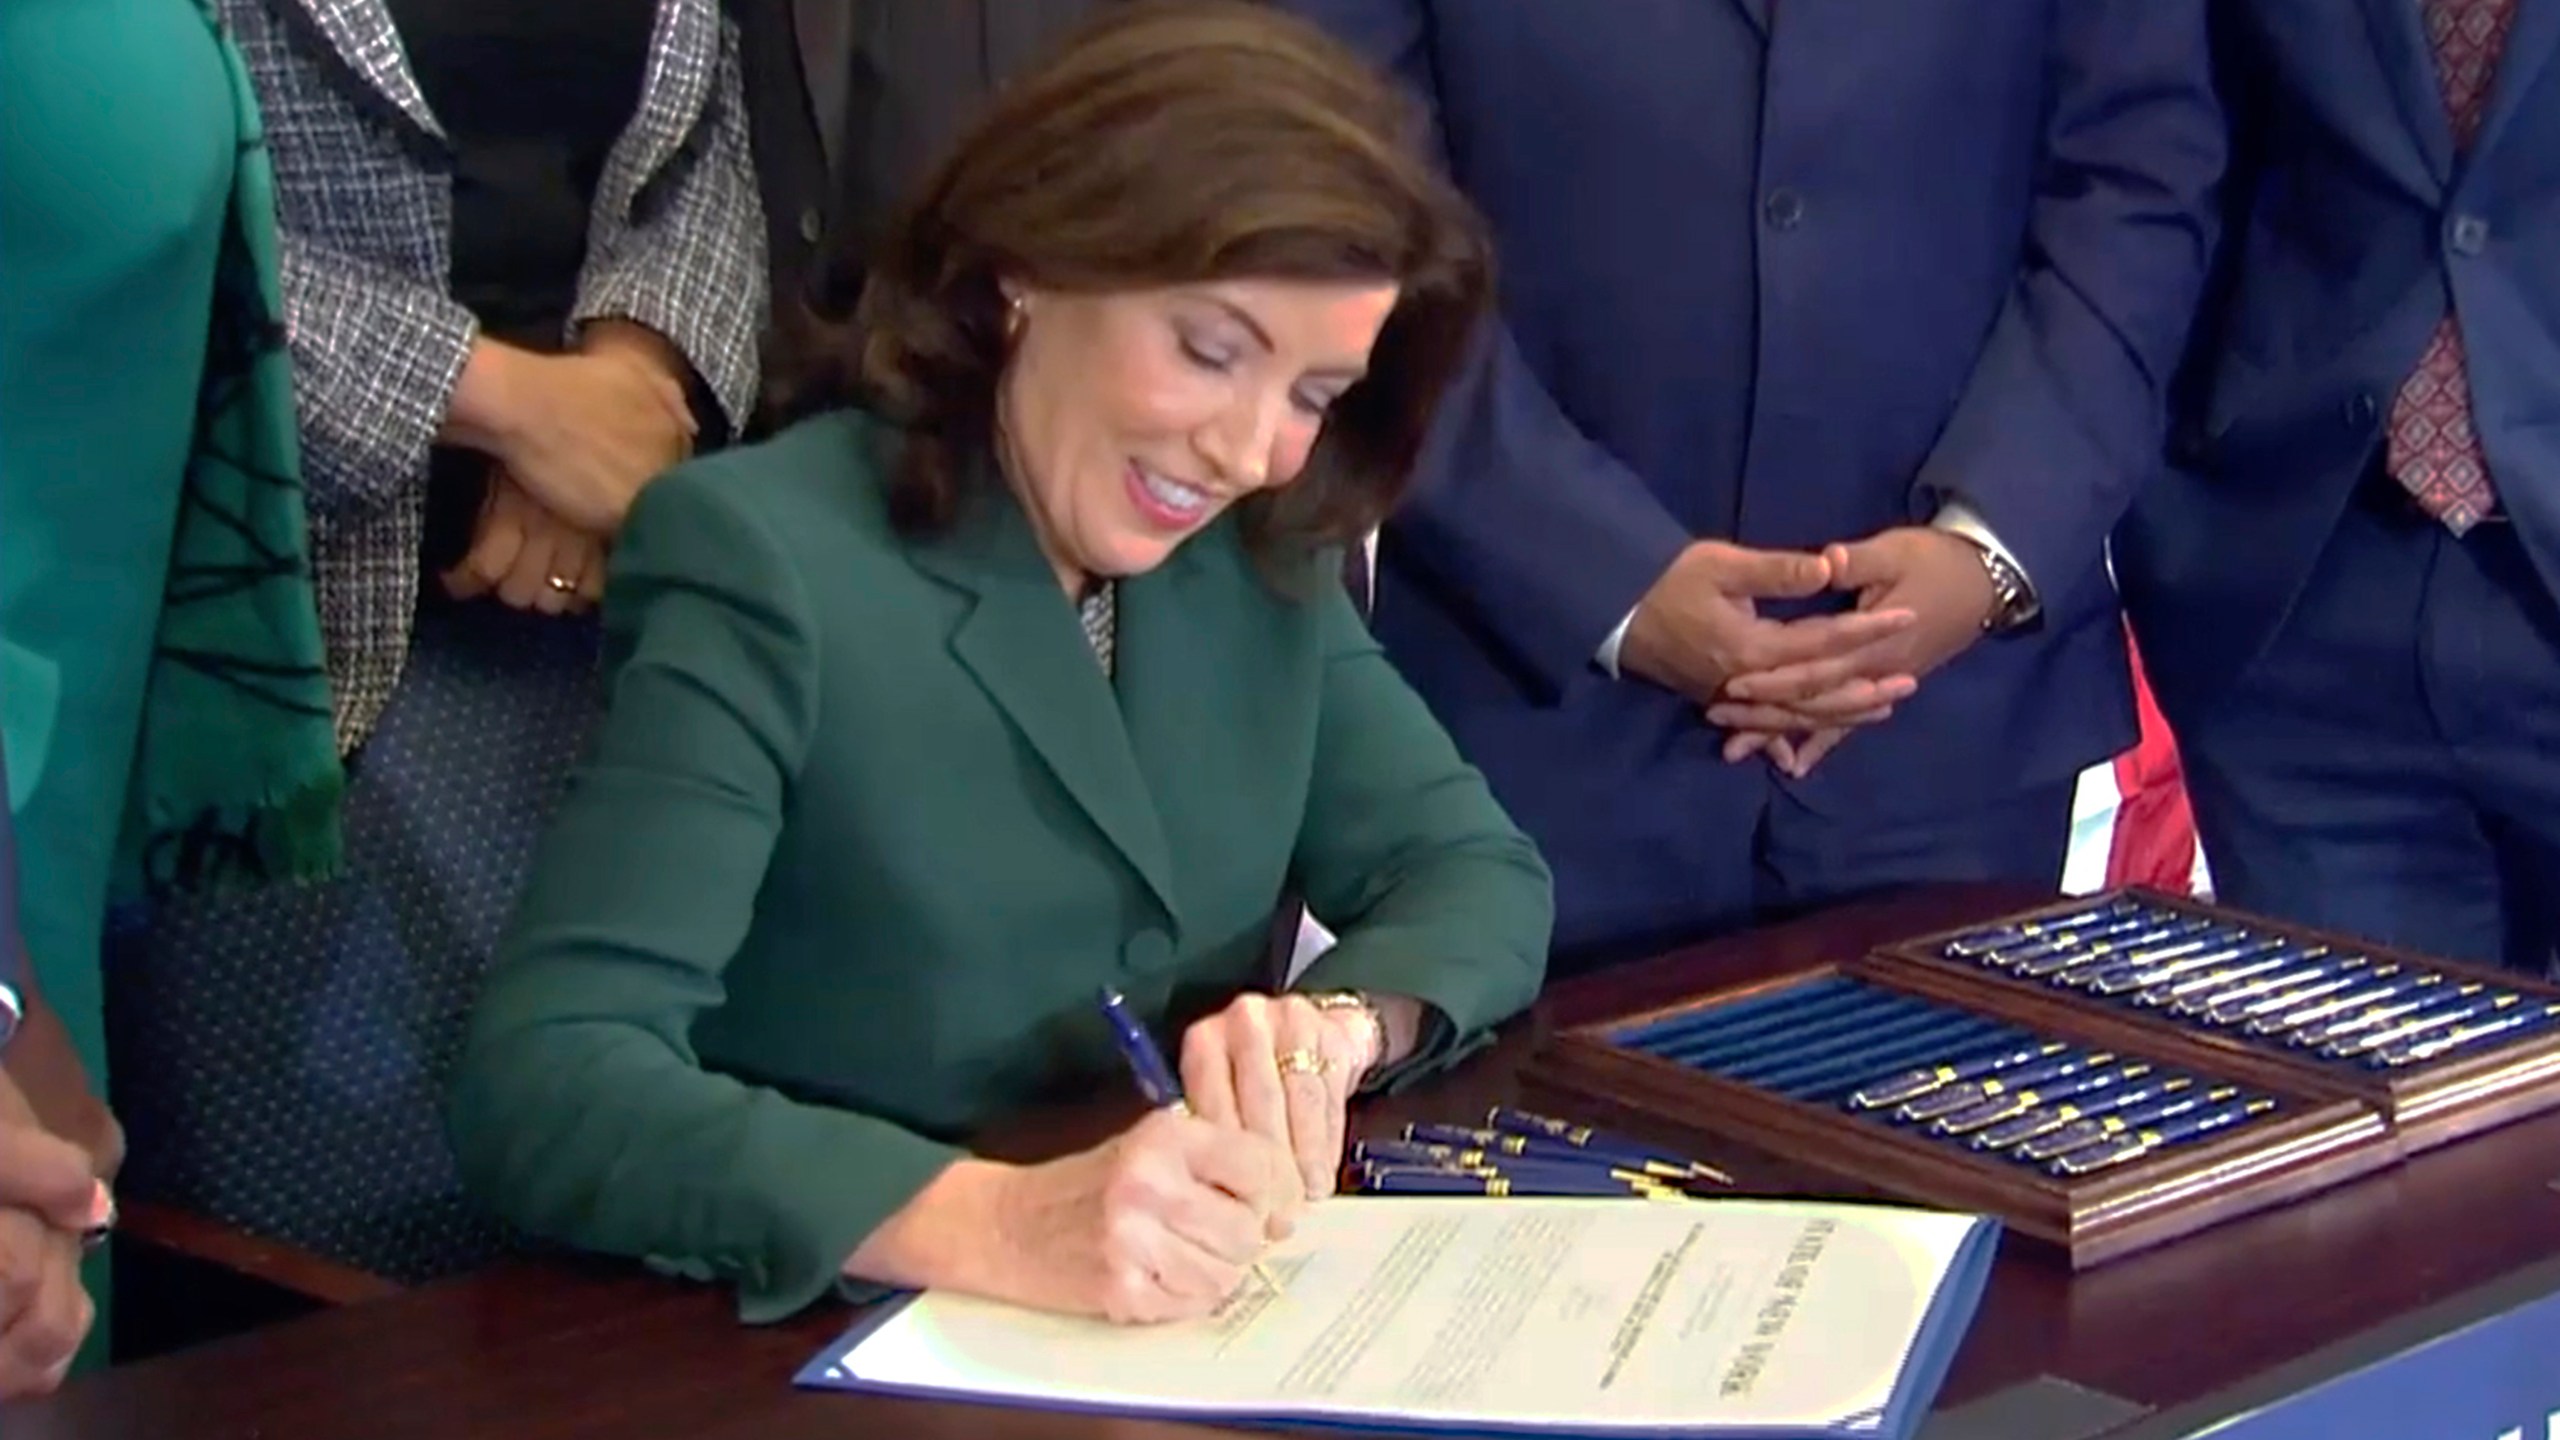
point(1130, 420)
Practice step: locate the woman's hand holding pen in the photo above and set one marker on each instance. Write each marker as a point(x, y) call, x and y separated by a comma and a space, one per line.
point(1283, 1068)
point(1160, 1223)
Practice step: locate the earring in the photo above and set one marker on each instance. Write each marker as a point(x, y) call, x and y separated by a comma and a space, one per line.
point(1016, 315)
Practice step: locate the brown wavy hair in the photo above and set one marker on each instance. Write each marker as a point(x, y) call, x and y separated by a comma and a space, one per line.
point(1170, 142)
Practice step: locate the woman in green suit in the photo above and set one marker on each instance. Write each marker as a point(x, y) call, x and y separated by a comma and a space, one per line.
point(930, 719)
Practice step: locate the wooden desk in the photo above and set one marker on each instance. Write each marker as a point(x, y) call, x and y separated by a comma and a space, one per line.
point(549, 1351)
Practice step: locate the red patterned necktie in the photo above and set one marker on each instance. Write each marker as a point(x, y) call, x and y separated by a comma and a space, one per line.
point(2434, 450)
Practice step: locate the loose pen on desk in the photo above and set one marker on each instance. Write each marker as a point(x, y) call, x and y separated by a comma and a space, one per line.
point(1517, 1153)
point(1155, 1077)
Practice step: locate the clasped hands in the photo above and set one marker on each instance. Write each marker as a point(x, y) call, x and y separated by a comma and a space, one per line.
point(1793, 689)
point(572, 439)
point(50, 1197)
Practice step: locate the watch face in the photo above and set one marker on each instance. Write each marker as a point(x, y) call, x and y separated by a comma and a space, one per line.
point(9, 1013)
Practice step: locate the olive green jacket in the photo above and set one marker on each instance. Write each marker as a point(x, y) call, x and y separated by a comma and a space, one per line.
point(867, 827)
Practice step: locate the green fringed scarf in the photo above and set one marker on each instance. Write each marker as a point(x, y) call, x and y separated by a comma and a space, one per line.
point(236, 777)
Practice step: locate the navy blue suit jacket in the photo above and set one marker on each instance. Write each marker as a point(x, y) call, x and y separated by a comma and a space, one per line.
point(1788, 273)
point(2354, 226)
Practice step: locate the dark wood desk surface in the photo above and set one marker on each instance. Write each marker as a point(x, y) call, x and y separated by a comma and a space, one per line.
point(550, 1351)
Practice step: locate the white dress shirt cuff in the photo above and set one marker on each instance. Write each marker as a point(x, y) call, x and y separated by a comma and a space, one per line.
point(1607, 656)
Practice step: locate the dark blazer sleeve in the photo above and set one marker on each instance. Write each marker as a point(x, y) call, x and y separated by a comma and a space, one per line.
point(1406, 857)
point(580, 1111)
point(1545, 537)
point(2065, 414)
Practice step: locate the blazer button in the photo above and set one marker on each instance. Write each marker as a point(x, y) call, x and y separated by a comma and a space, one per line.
point(2360, 410)
point(1784, 208)
point(1146, 951)
point(810, 228)
point(2467, 235)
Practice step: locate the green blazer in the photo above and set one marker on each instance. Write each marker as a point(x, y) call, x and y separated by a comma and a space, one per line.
point(867, 826)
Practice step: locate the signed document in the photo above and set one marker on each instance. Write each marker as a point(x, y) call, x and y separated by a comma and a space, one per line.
point(1712, 1317)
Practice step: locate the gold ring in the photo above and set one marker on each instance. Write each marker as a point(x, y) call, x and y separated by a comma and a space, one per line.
point(1303, 1061)
point(563, 584)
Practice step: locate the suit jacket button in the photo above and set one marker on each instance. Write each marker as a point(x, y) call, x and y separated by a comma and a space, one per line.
point(1146, 951)
point(2467, 235)
point(1784, 208)
point(2360, 410)
point(810, 228)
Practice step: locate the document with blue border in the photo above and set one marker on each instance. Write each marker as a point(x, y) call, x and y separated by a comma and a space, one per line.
point(1736, 1317)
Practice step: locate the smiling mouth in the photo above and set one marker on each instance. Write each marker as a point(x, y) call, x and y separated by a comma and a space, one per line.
point(1168, 501)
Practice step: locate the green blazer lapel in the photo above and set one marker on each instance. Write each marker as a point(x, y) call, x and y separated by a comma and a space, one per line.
point(1020, 640)
point(1206, 695)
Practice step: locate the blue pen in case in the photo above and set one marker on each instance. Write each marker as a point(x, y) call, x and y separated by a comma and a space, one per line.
point(2511, 1025)
point(1712, 1033)
point(2018, 1102)
point(2222, 974)
point(2456, 1009)
point(2044, 1120)
point(1827, 1074)
point(2297, 994)
point(1852, 1052)
point(1730, 1015)
point(2080, 1134)
point(2126, 1145)
point(1875, 1010)
point(2287, 1021)
point(2300, 970)
point(1960, 1097)
point(1911, 1084)
point(2421, 995)
point(1975, 942)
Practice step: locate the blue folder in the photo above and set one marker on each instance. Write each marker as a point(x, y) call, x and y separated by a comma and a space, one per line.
point(1944, 1323)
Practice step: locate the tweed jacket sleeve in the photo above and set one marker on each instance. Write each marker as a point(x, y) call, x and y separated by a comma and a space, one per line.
point(375, 359)
point(680, 247)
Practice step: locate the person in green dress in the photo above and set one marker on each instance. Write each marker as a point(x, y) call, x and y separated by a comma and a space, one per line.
point(1020, 671)
point(161, 696)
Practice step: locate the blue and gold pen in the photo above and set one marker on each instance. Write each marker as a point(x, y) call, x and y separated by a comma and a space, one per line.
point(1523, 1172)
point(1558, 1150)
point(1600, 1144)
point(1155, 1078)
point(1912, 1084)
point(1979, 942)
point(2127, 1145)
point(1377, 1179)
point(2018, 1102)
point(2433, 1046)
point(2080, 1134)
point(1444, 1157)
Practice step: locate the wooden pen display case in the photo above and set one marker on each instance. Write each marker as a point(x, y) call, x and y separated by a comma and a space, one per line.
point(2105, 1074)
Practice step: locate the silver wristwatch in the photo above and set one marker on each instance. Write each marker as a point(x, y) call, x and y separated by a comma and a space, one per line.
point(12, 1010)
point(2013, 600)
